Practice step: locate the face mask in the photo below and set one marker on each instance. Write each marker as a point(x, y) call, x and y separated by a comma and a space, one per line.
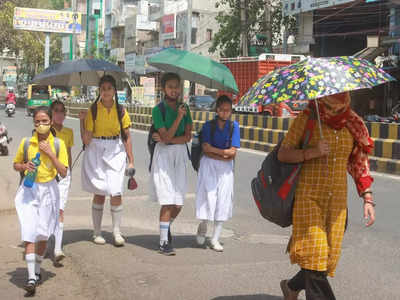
point(58, 118)
point(43, 129)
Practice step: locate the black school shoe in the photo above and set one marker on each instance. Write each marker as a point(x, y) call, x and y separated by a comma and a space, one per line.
point(166, 249)
point(30, 287)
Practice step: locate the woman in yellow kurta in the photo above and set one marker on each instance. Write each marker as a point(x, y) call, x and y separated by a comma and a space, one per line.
point(320, 207)
point(108, 146)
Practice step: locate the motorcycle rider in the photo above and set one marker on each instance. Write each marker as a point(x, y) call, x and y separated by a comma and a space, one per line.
point(11, 98)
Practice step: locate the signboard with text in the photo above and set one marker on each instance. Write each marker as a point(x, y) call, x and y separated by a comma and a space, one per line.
point(47, 20)
point(168, 27)
point(293, 7)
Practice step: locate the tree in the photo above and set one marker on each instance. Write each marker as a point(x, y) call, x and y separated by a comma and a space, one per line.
point(227, 39)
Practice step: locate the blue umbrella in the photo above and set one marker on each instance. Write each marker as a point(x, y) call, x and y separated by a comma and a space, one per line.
point(78, 72)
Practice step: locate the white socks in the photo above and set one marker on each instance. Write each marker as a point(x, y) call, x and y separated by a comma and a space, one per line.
point(116, 214)
point(97, 215)
point(58, 237)
point(38, 263)
point(30, 261)
point(217, 230)
point(164, 227)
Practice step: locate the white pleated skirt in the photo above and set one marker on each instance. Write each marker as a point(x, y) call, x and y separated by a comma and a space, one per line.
point(168, 179)
point(38, 210)
point(103, 167)
point(214, 197)
point(64, 185)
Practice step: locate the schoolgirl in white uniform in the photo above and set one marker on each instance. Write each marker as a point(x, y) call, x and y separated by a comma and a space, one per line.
point(67, 135)
point(38, 207)
point(214, 197)
point(168, 178)
point(108, 145)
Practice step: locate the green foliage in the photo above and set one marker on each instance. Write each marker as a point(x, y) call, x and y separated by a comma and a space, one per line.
point(227, 39)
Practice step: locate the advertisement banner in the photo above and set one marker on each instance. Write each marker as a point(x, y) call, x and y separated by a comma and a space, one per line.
point(293, 7)
point(168, 27)
point(47, 20)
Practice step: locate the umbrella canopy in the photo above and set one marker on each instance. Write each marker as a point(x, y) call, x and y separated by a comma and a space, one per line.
point(78, 72)
point(196, 68)
point(314, 78)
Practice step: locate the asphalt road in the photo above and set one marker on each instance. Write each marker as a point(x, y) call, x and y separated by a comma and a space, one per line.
point(251, 266)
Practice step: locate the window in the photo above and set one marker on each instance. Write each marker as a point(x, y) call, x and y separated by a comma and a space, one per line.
point(209, 35)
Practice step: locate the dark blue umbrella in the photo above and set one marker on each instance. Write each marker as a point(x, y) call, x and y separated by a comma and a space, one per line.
point(78, 72)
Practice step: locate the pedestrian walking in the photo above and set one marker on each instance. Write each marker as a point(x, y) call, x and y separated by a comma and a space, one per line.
point(320, 206)
point(105, 134)
point(38, 206)
point(214, 198)
point(168, 170)
point(66, 134)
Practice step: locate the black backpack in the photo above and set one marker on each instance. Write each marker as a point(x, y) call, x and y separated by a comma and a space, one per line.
point(151, 144)
point(275, 185)
point(197, 150)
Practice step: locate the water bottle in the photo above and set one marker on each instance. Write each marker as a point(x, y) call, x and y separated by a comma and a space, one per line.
point(31, 175)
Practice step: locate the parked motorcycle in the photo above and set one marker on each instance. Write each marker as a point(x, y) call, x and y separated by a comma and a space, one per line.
point(396, 113)
point(10, 109)
point(4, 140)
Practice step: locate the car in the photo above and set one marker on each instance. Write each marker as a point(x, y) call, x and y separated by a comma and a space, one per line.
point(204, 102)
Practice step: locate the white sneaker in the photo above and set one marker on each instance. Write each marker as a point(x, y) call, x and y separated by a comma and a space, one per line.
point(58, 255)
point(216, 246)
point(201, 233)
point(99, 240)
point(118, 240)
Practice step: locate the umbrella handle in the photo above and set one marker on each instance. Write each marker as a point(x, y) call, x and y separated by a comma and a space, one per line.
point(319, 119)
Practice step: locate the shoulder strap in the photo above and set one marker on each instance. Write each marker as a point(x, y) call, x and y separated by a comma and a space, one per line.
point(213, 127)
point(57, 146)
point(93, 110)
point(26, 146)
point(163, 110)
point(231, 133)
point(309, 129)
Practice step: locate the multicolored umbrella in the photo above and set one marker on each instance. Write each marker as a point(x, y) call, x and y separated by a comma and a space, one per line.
point(314, 78)
point(194, 67)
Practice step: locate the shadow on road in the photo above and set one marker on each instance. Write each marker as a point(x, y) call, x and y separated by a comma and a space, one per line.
point(147, 241)
point(20, 276)
point(151, 241)
point(249, 297)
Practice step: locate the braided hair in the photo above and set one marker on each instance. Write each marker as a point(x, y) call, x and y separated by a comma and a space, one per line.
point(120, 110)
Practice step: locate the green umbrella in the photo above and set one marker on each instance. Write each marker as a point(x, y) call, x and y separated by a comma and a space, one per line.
point(194, 67)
